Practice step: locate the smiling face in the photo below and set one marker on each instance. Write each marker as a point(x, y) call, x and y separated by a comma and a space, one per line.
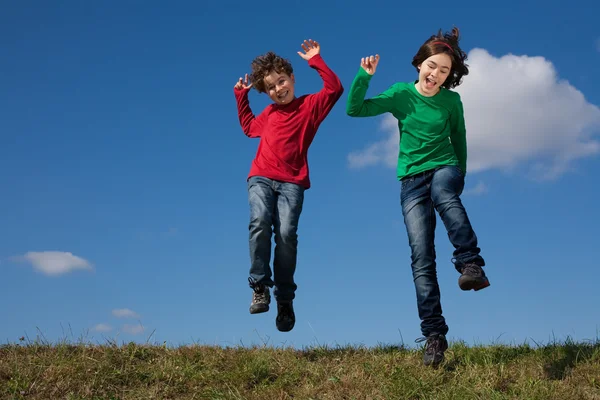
point(280, 87)
point(433, 72)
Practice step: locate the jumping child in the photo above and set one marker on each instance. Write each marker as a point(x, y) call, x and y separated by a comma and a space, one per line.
point(279, 174)
point(432, 164)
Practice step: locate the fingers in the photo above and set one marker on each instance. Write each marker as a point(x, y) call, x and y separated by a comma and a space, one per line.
point(243, 83)
point(369, 64)
point(373, 59)
point(305, 46)
point(309, 44)
point(370, 60)
point(238, 84)
point(366, 63)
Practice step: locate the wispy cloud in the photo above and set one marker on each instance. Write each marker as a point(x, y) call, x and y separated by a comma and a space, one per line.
point(478, 190)
point(54, 262)
point(518, 113)
point(125, 313)
point(102, 328)
point(384, 151)
point(133, 329)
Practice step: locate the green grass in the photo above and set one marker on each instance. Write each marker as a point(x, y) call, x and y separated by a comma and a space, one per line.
point(38, 370)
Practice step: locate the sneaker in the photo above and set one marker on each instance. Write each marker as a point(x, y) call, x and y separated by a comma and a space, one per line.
point(286, 319)
point(261, 297)
point(434, 349)
point(472, 277)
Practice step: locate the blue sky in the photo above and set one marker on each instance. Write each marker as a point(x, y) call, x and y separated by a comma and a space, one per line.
point(124, 205)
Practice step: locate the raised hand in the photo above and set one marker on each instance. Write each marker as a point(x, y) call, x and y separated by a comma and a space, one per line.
point(369, 64)
point(311, 48)
point(243, 84)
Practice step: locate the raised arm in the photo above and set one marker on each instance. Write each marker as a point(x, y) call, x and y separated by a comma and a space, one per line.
point(251, 125)
point(357, 106)
point(458, 134)
point(332, 89)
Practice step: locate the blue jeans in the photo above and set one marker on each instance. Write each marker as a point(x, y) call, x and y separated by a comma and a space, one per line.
point(421, 194)
point(274, 206)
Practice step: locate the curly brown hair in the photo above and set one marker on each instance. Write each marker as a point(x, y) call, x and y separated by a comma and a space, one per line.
point(445, 43)
point(264, 64)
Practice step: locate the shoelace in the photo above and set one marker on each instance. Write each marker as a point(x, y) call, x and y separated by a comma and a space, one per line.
point(260, 297)
point(259, 290)
point(254, 285)
point(433, 345)
point(472, 269)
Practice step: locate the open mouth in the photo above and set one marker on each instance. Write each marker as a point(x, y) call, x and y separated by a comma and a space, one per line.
point(430, 83)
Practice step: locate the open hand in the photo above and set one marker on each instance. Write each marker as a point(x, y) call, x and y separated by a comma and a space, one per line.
point(369, 64)
point(243, 84)
point(311, 48)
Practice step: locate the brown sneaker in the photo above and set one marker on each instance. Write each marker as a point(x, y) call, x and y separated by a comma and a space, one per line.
point(261, 297)
point(472, 277)
point(434, 349)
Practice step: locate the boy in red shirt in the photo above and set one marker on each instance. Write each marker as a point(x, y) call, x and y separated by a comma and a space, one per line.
point(279, 173)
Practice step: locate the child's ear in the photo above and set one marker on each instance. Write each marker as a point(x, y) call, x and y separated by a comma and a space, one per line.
point(293, 78)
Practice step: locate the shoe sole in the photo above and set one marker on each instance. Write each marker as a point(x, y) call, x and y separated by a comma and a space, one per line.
point(259, 309)
point(473, 284)
point(286, 329)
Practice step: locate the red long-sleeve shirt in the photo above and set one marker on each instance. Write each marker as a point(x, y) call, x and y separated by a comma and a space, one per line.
point(286, 131)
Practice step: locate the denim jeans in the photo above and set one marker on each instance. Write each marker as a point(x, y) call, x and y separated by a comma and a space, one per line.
point(274, 207)
point(421, 194)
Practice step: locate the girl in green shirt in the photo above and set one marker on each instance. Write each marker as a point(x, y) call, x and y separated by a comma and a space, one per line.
point(432, 163)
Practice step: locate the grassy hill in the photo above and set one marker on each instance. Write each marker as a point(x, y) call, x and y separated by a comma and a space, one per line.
point(565, 370)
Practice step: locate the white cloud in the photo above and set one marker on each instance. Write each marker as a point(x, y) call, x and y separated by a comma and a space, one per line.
point(384, 151)
point(54, 262)
point(518, 115)
point(133, 329)
point(124, 313)
point(478, 190)
point(102, 328)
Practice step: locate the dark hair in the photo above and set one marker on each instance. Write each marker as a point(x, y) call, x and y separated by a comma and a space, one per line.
point(263, 65)
point(445, 43)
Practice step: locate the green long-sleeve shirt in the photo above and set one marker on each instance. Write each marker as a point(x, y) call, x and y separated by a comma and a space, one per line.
point(432, 129)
